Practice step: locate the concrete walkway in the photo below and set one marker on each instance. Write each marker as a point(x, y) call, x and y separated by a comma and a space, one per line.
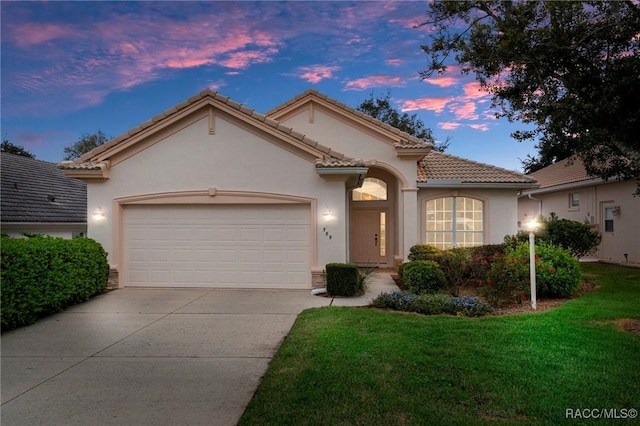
point(152, 356)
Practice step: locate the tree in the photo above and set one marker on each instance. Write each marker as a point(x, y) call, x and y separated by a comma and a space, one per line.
point(571, 69)
point(86, 143)
point(380, 108)
point(10, 148)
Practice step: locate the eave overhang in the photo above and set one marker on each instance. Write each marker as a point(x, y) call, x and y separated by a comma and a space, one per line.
point(453, 183)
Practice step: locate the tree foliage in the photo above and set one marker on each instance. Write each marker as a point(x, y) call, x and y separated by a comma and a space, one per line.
point(11, 148)
point(570, 69)
point(380, 108)
point(86, 143)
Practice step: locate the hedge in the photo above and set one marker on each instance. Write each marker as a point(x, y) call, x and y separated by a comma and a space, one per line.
point(43, 275)
point(342, 279)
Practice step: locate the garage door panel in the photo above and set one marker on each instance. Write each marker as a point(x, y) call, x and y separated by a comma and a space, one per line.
point(218, 246)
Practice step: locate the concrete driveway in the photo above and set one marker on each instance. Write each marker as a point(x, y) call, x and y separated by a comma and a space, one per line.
point(152, 356)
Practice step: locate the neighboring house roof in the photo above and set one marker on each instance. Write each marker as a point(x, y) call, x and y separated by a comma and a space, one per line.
point(35, 191)
point(439, 169)
point(99, 157)
point(404, 138)
point(561, 173)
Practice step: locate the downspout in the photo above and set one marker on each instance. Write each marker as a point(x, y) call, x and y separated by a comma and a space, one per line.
point(539, 205)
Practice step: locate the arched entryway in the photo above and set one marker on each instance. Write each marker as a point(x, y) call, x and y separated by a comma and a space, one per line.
point(373, 224)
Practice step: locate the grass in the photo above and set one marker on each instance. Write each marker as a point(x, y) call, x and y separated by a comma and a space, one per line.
point(359, 366)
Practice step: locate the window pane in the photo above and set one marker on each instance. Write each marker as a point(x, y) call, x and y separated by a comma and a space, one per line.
point(467, 219)
point(383, 233)
point(372, 189)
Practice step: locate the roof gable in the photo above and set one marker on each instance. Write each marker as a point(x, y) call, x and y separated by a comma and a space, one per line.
point(36, 191)
point(97, 162)
point(396, 137)
point(437, 169)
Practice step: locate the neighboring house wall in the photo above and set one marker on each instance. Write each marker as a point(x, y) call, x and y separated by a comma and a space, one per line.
point(594, 198)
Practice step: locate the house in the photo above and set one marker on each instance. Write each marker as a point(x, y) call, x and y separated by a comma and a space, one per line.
point(37, 198)
point(609, 206)
point(212, 193)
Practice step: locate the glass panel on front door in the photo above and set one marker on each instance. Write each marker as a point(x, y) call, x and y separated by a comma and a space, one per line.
point(383, 233)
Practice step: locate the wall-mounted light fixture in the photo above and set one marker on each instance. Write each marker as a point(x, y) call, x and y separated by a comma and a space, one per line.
point(98, 214)
point(616, 210)
point(327, 215)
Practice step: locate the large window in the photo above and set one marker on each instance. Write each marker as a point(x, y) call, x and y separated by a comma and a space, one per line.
point(372, 189)
point(454, 222)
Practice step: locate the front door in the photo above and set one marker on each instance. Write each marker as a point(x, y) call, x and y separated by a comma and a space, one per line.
point(369, 236)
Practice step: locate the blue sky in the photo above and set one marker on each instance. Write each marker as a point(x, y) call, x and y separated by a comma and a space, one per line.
point(70, 68)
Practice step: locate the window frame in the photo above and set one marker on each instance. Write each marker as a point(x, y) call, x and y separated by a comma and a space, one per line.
point(383, 184)
point(455, 214)
point(574, 201)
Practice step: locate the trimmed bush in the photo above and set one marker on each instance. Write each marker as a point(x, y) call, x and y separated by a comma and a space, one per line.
point(423, 252)
point(44, 275)
point(343, 279)
point(423, 276)
point(507, 281)
point(557, 272)
point(432, 304)
point(457, 266)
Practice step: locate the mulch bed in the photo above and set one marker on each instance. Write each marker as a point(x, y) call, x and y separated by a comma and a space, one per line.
point(541, 304)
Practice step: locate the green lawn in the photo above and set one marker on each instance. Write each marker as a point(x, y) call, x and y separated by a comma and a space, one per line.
point(361, 366)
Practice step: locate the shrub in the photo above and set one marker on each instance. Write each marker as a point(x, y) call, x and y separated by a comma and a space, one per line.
point(343, 279)
point(557, 272)
point(431, 304)
point(507, 281)
point(423, 252)
point(423, 276)
point(482, 258)
point(457, 266)
point(43, 275)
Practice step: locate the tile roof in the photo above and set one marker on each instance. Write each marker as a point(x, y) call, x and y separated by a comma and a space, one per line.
point(562, 172)
point(439, 166)
point(404, 136)
point(87, 161)
point(36, 191)
point(327, 161)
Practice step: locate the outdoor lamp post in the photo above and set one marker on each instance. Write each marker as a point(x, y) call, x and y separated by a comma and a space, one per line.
point(532, 225)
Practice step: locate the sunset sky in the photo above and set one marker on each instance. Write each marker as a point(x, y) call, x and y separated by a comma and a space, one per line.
point(70, 68)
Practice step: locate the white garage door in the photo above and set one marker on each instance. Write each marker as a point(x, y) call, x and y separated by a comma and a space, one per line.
point(242, 246)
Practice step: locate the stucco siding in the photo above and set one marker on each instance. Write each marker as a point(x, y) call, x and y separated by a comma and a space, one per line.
point(234, 158)
point(355, 141)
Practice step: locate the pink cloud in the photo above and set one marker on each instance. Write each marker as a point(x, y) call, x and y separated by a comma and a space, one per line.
point(32, 33)
point(473, 90)
point(316, 73)
point(449, 125)
point(394, 62)
point(432, 104)
point(374, 81)
point(464, 111)
point(482, 126)
point(216, 85)
point(242, 60)
point(442, 81)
